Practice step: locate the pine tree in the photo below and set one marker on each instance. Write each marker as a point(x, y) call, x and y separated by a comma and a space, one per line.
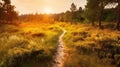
point(73, 7)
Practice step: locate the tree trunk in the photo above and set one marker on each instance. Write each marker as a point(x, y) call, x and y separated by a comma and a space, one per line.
point(92, 23)
point(100, 16)
point(118, 22)
point(100, 24)
point(100, 19)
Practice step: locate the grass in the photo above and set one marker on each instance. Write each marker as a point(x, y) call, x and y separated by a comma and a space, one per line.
point(34, 45)
point(28, 45)
point(91, 47)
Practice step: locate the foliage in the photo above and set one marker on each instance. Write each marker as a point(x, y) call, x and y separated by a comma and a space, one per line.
point(84, 42)
point(73, 7)
point(109, 15)
point(92, 10)
point(7, 11)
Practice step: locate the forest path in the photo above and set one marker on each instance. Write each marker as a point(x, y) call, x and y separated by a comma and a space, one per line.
point(60, 54)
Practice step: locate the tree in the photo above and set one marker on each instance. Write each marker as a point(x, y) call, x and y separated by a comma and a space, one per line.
point(73, 12)
point(118, 22)
point(92, 11)
point(95, 10)
point(7, 11)
point(118, 11)
point(67, 16)
point(10, 14)
point(102, 4)
point(70, 16)
point(78, 15)
point(1, 11)
point(109, 15)
point(73, 7)
point(6, 2)
point(80, 9)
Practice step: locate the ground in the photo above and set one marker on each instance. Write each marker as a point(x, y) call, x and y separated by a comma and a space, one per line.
point(34, 44)
point(89, 46)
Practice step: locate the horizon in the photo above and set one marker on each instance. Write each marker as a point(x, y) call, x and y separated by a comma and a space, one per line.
point(45, 6)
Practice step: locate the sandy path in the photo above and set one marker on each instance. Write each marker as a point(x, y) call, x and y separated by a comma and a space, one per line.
point(60, 54)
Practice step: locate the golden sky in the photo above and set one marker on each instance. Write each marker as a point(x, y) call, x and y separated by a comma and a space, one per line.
point(45, 6)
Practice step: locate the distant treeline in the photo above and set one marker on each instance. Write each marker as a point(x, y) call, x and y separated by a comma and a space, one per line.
point(94, 11)
point(72, 15)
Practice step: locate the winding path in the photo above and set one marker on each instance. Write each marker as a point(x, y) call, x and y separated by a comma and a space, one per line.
point(60, 54)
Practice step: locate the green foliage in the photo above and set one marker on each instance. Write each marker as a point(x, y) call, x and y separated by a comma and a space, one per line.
point(92, 10)
point(67, 16)
point(22, 49)
point(109, 15)
point(7, 11)
point(75, 15)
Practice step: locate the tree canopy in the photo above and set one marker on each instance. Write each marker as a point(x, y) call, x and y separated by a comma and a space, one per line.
point(7, 11)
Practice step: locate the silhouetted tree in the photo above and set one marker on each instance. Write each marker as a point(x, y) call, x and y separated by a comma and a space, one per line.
point(101, 4)
point(80, 9)
point(7, 11)
point(75, 14)
point(73, 7)
point(118, 10)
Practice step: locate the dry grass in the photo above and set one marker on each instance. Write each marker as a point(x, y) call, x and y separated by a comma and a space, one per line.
point(34, 44)
point(91, 47)
point(28, 45)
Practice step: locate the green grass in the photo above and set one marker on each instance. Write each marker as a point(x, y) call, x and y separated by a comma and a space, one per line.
point(22, 48)
point(34, 45)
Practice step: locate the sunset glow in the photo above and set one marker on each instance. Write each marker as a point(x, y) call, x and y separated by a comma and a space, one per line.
point(48, 10)
point(59, 33)
point(45, 6)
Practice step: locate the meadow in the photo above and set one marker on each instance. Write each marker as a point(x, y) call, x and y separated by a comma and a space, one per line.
point(44, 33)
point(33, 44)
point(28, 44)
point(88, 46)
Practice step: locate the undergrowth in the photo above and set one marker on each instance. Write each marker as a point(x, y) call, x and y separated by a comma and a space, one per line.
point(91, 47)
point(28, 46)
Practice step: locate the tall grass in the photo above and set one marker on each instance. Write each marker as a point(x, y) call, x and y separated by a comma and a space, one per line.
point(28, 46)
point(91, 47)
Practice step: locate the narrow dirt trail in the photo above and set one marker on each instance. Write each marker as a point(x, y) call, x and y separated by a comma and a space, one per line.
point(60, 54)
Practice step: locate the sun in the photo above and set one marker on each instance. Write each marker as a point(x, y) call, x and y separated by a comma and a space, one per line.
point(48, 10)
